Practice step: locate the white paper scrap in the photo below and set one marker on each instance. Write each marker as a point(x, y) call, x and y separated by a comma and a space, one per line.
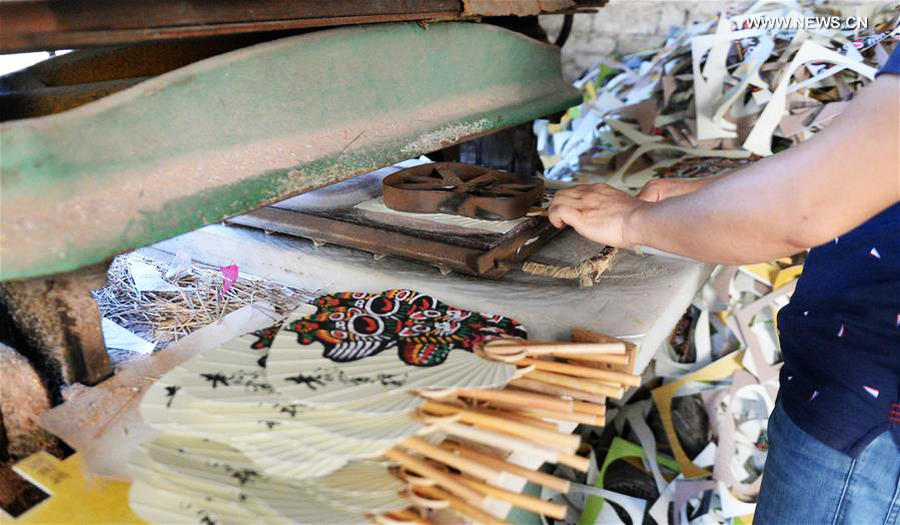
point(147, 277)
point(180, 265)
point(760, 139)
point(121, 338)
point(707, 457)
point(731, 506)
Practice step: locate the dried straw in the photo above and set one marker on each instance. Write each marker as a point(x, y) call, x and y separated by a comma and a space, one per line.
point(165, 317)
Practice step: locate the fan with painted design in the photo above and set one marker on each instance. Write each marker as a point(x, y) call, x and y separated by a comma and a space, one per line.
point(179, 478)
point(229, 392)
point(268, 431)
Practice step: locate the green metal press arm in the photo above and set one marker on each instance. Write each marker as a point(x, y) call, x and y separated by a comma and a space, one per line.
point(241, 130)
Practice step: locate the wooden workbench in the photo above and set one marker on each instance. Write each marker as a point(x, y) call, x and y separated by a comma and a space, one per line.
point(640, 298)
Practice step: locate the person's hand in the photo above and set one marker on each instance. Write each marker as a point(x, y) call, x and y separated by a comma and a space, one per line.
point(657, 190)
point(599, 212)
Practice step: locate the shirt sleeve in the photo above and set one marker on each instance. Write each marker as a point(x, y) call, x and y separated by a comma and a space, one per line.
point(892, 66)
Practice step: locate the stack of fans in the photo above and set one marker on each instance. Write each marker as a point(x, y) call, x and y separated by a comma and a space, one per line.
point(379, 407)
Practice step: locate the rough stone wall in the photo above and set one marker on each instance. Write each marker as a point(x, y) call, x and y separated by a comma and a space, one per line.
point(624, 26)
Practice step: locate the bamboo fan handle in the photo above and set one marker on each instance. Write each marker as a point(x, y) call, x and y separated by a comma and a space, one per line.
point(514, 444)
point(544, 388)
point(574, 417)
point(586, 385)
point(398, 517)
point(414, 479)
point(440, 477)
point(437, 393)
point(487, 351)
point(522, 371)
point(433, 422)
point(501, 441)
point(518, 398)
point(574, 349)
point(535, 476)
point(448, 458)
point(606, 359)
point(505, 415)
point(522, 501)
point(589, 408)
point(553, 439)
point(611, 376)
point(511, 347)
point(583, 335)
point(579, 463)
point(515, 414)
point(470, 511)
point(428, 503)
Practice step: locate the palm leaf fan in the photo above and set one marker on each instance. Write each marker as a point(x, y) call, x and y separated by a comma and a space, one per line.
point(362, 346)
point(178, 479)
point(267, 429)
point(347, 406)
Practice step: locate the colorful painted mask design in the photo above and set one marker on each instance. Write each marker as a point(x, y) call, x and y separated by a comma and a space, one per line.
point(354, 325)
point(265, 337)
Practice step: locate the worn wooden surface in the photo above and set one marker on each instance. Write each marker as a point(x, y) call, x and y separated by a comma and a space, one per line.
point(60, 321)
point(49, 24)
point(640, 298)
point(330, 215)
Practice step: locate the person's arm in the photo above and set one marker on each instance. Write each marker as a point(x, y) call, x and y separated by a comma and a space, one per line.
point(811, 193)
point(661, 189)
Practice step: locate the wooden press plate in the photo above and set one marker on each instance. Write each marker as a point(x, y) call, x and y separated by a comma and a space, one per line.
point(329, 215)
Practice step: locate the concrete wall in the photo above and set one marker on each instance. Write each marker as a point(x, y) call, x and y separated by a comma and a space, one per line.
point(624, 26)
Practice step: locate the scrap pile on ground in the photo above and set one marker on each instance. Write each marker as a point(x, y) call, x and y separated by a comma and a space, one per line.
point(727, 90)
point(690, 446)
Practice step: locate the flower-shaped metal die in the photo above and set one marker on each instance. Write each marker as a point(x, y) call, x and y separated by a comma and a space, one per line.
point(462, 189)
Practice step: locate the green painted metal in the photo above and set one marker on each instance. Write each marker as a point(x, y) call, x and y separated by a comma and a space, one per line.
point(241, 130)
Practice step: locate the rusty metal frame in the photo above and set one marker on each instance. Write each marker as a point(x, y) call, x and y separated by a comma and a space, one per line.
point(53, 24)
point(491, 263)
point(462, 189)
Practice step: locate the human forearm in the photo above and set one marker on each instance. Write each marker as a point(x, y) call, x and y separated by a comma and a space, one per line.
point(665, 188)
point(797, 199)
point(728, 222)
point(779, 205)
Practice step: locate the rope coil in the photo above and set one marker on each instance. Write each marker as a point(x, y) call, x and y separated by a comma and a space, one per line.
point(587, 272)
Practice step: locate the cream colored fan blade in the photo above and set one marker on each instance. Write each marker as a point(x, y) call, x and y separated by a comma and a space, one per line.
point(381, 406)
point(307, 377)
point(232, 480)
point(158, 499)
point(233, 372)
point(183, 466)
point(310, 427)
point(301, 449)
